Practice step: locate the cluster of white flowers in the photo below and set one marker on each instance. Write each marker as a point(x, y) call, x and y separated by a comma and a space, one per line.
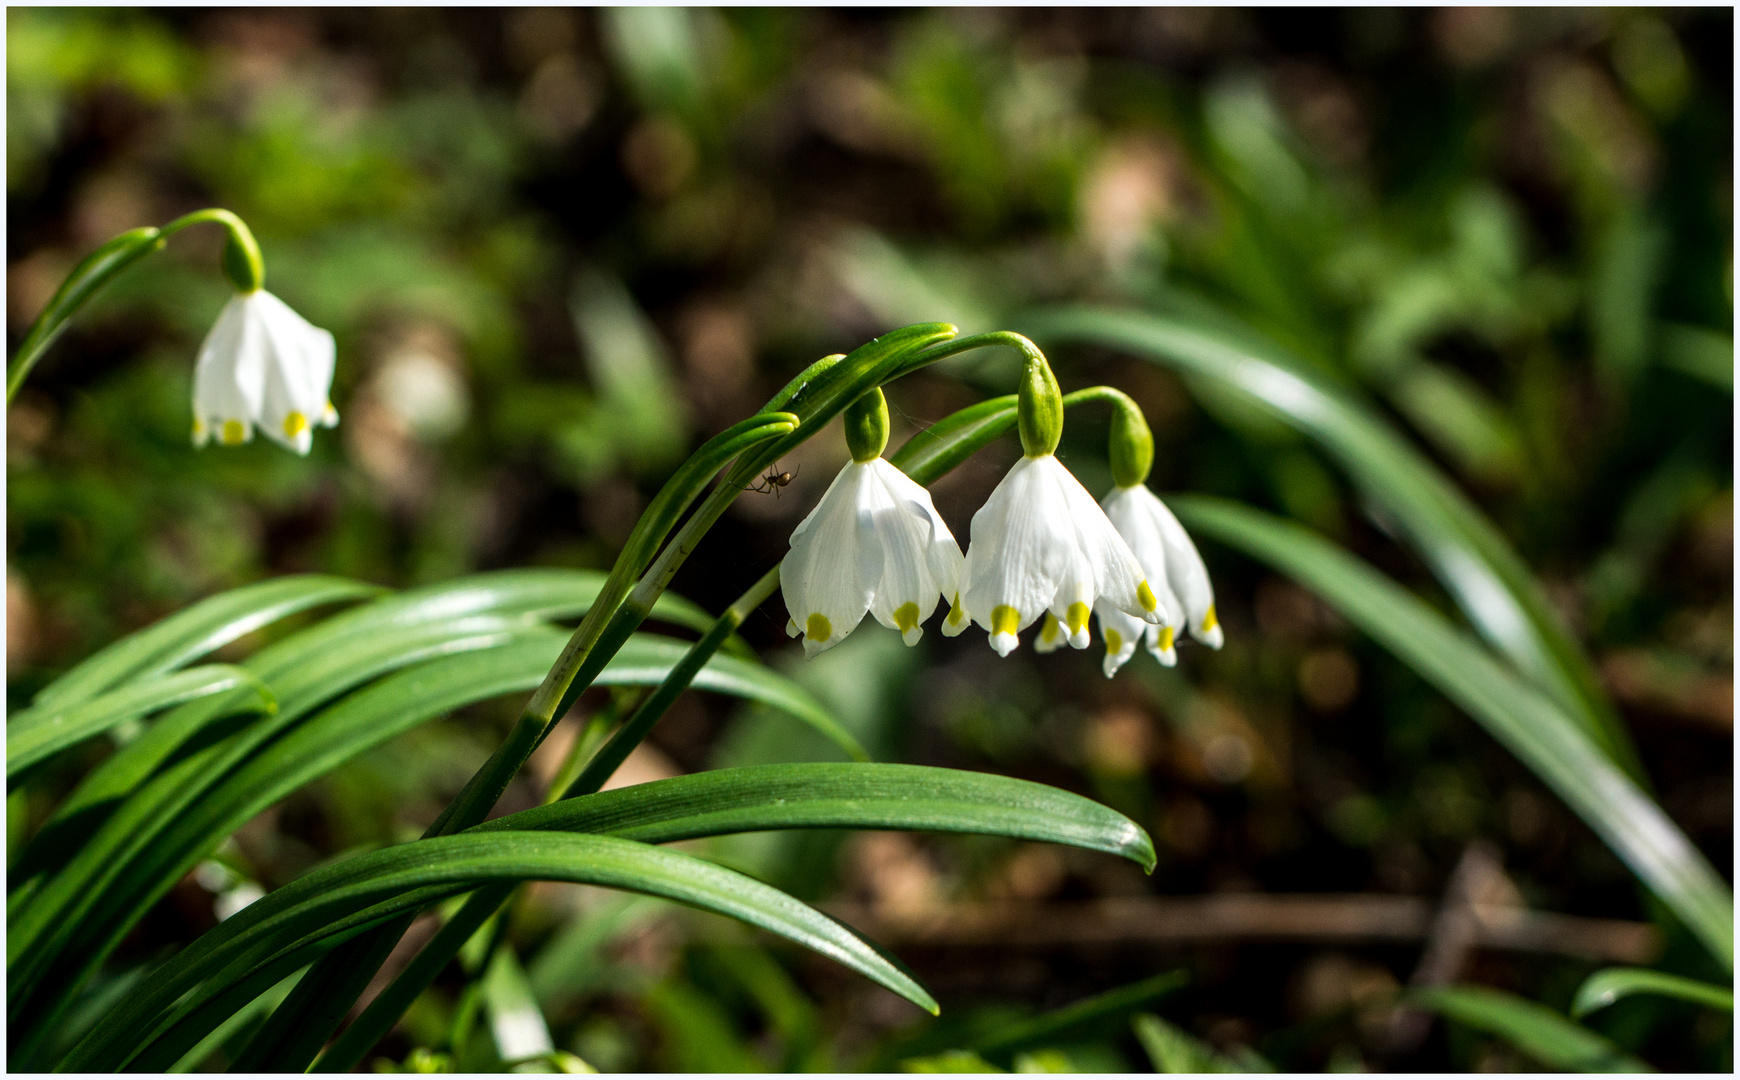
point(263, 366)
point(1040, 548)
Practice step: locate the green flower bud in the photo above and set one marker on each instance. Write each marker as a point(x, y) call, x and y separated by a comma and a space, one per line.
point(1039, 408)
point(242, 261)
point(867, 426)
point(1131, 446)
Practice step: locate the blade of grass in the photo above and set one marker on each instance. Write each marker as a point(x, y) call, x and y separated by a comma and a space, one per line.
point(1000, 1046)
point(1534, 1029)
point(322, 902)
point(36, 734)
point(1169, 1048)
point(234, 1023)
point(821, 795)
point(1490, 582)
point(194, 631)
point(305, 669)
point(1610, 985)
point(840, 795)
point(383, 711)
point(1534, 727)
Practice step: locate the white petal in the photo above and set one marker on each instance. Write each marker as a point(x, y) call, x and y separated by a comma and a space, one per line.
point(1122, 633)
point(299, 365)
point(942, 553)
point(229, 377)
point(829, 575)
point(906, 592)
point(1130, 512)
point(1117, 576)
point(1022, 548)
point(1188, 576)
point(1162, 642)
point(1051, 636)
point(957, 619)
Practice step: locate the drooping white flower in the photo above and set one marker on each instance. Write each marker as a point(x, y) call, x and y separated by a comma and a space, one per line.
point(1171, 562)
point(263, 364)
point(1039, 545)
point(874, 543)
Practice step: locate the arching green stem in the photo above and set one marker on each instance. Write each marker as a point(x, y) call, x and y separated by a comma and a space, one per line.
point(242, 262)
point(959, 435)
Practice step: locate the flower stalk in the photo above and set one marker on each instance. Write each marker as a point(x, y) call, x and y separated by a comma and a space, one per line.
point(241, 262)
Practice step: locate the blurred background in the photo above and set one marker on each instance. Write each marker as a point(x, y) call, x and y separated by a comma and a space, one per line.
point(559, 248)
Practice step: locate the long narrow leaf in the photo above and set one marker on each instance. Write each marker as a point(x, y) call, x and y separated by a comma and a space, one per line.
point(305, 669)
point(1476, 564)
point(37, 733)
point(1047, 1027)
point(840, 795)
point(381, 712)
point(1605, 987)
point(1533, 726)
point(828, 795)
point(375, 881)
point(1534, 1029)
point(390, 1004)
point(395, 705)
point(192, 632)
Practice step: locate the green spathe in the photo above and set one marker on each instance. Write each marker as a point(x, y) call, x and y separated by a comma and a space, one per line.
point(1039, 408)
point(867, 426)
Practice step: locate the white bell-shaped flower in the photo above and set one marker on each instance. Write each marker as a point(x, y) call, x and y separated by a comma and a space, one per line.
point(1039, 545)
point(263, 364)
point(1171, 562)
point(874, 543)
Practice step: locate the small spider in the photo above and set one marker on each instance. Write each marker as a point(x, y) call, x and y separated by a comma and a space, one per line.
point(772, 482)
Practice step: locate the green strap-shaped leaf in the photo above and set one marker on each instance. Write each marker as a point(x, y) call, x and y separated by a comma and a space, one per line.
point(1001, 1044)
point(1532, 1028)
point(646, 660)
point(935, 450)
point(238, 1016)
point(37, 733)
point(323, 902)
point(1534, 727)
point(370, 717)
point(192, 632)
point(303, 676)
point(341, 652)
point(1491, 584)
point(305, 669)
point(514, 1017)
point(99, 870)
point(1171, 1049)
point(1609, 985)
point(840, 795)
point(403, 701)
point(828, 795)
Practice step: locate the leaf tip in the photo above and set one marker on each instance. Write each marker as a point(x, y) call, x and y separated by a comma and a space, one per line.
point(1139, 849)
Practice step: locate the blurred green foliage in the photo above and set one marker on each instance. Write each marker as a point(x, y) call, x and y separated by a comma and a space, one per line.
point(559, 247)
